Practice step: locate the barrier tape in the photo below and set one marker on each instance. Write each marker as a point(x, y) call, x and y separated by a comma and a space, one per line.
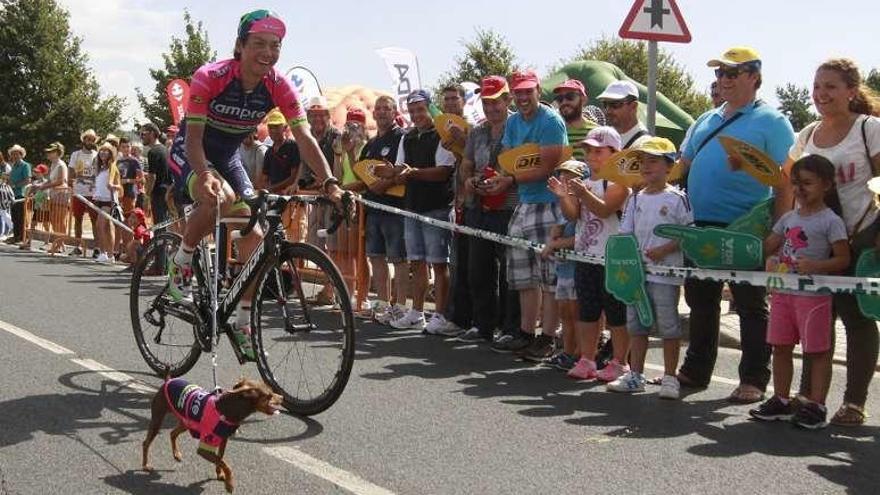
point(104, 213)
point(777, 281)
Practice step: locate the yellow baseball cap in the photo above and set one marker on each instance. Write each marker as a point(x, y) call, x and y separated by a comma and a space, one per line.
point(657, 146)
point(275, 117)
point(735, 56)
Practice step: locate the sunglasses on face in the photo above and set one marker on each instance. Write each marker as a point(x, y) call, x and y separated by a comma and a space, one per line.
point(729, 72)
point(615, 105)
point(566, 97)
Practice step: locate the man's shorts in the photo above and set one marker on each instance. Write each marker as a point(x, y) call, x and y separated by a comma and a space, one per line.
point(593, 299)
point(425, 242)
point(385, 236)
point(525, 268)
point(231, 170)
point(565, 289)
point(664, 300)
point(800, 318)
point(79, 208)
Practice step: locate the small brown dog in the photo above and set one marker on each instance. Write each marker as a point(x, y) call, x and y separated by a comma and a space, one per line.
point(212, 417)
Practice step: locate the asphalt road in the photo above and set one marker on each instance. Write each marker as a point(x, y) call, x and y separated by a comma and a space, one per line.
point(420, 415)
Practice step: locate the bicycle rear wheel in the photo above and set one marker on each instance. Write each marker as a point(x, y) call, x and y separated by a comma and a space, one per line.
point(304, 329)
point(163, 329)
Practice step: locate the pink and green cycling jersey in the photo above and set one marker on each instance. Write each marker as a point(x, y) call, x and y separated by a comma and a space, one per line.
point(196, 408)
point(229, 113)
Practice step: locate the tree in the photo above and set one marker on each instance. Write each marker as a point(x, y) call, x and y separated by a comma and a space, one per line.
point(183, 58)
point(49, 92)
point(632, 58)
point(873, 80)
point(794, 103)
point(488, 54)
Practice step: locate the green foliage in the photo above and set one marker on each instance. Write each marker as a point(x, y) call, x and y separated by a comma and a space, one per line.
point(488, 54)
point(794, 103)
point(632, 58)
point(183, 58)
point(49, 92)
point(873, 80)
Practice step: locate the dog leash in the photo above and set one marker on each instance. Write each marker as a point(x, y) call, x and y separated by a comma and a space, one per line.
point(214, 290)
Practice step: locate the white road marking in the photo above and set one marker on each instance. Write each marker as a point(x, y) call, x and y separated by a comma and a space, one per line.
point(296, 457)
point(321, 469)
point(33, 339)
point(116, 376)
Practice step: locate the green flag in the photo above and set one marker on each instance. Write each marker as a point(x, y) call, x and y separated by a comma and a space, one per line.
point(756, 221)
point(715, 248)
point(869, 266)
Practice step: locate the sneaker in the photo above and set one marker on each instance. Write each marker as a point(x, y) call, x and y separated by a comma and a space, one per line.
point(411, 319)
point(584, 369)
point(439, 325)
point(77, 252)
point(773, 409)
point(243, 339)
point(378, 309)
point(541, 348)
point(179, 281)
point(561, 361)
point(512, 344)
point(502, 337)
point(102, 258)
point(612, 371)
point(95, 253)
point(630, 382)
point(812, 416)
point(472, 336)
point(392, 313)
point(670, 388)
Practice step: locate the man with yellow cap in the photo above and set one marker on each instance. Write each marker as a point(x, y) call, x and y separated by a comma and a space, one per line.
point(720, 193)
point(281, 163)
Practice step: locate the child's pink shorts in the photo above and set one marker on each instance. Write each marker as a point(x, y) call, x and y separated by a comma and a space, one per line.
point(795, 317)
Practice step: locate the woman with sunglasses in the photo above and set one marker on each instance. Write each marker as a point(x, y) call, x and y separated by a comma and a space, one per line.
point(228, 99)
point(848, 135)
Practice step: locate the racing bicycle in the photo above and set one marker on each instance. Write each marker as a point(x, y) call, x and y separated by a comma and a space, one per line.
point(304, 346)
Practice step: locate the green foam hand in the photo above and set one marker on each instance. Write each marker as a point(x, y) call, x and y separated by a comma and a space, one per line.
point(869, 266)
point(625, 275)
point(715, 248)
point(757, 221)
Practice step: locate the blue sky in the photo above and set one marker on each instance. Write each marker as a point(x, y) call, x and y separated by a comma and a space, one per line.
point(337, 39)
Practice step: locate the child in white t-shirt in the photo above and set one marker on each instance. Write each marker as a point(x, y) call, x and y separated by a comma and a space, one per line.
point(656, 204)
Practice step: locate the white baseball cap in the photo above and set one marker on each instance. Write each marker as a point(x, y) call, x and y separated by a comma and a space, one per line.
point(619, 90)
point(318, 102)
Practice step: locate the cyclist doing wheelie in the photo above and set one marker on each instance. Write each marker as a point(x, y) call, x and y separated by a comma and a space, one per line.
point(228, 99)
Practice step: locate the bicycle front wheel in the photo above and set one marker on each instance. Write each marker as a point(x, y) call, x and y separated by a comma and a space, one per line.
point(304, 329)
point(163, 329)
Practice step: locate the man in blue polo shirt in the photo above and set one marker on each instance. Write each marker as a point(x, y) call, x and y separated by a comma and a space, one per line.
point(537, 212)
point(719, 195)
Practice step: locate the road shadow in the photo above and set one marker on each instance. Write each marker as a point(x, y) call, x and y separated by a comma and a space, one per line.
point(144, 483)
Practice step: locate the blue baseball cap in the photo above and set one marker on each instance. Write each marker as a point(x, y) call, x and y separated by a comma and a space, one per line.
point(417, 96)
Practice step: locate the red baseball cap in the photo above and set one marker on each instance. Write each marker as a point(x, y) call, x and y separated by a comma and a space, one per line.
point(41, 169)
point(524, 80)
point(355, 114)
point(571, 84)
point(492, 87)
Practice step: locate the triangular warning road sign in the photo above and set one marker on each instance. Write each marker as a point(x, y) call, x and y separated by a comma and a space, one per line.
point(655, 20)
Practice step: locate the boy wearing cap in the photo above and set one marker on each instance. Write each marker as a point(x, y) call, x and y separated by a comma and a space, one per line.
point(282, 160)
point(621, 103)
point(425, 167)
point(656, 204)
point(537, 213)
point(348, 148)
point(82, 177)
point(720, 195)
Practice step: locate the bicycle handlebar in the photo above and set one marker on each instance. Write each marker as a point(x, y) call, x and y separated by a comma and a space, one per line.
point(263, 202)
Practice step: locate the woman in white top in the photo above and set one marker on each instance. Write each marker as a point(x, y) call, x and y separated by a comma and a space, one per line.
point(58, 196)
point(849, 136)
point(108, 190)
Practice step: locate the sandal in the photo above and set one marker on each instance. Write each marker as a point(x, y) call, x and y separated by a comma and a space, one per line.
point(746, 394)
point(849, 415)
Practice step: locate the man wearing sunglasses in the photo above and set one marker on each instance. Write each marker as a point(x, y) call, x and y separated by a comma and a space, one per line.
point(620, 101)
point(719, 195)
point(570, 98)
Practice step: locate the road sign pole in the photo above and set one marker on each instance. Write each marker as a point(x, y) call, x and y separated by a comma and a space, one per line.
point(652, 86)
